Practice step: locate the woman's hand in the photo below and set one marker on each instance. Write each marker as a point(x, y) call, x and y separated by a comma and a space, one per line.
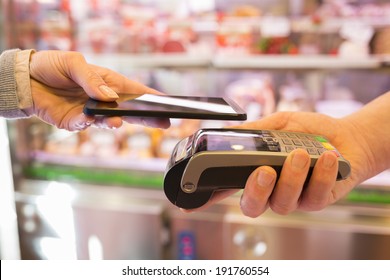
point(62, 82)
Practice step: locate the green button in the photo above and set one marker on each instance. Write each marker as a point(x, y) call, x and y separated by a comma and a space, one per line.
point(321, 139)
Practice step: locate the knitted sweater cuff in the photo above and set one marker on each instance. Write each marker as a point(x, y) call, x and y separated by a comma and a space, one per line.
point(14, 72)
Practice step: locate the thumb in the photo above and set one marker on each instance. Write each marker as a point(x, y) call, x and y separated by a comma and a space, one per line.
point(275, 121)
point(92, 83)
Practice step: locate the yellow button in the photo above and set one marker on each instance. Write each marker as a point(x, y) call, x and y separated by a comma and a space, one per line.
point(328, 146)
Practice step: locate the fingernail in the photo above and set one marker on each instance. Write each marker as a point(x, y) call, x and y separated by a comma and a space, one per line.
point(299, 160)
point(82, 126)
point(148, 122)
point(265, 178)
point(108, 91)
point(153, 123)
point(329, 160)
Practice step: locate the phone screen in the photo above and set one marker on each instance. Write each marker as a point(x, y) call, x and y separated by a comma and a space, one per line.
point(229, 141)
point(167, 106)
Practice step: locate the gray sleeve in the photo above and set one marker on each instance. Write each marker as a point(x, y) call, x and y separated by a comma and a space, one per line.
point(9, 103)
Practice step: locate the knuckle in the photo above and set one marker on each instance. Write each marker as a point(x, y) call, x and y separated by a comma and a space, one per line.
point(73, 56)
point(92, 76)
point(281, 208)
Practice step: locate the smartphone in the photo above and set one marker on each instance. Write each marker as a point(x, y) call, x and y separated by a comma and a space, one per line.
point(168, 106)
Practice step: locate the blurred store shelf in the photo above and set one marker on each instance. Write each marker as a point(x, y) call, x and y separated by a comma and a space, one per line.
point(152, 60)
point(114, 162)
point(225, 61)
point(296, 62)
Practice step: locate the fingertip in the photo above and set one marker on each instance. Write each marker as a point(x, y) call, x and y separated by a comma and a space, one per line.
point(157, 123)
point(80, 122)
point(108, 122)
point(286, 195)
point(266, 177)
point(149, 122)
point(258, 189)
point(108, 92)
point(328, 160)
point(299, 159)
point(318, 193)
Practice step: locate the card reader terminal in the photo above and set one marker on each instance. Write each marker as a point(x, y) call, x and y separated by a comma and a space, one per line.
point(218, 159)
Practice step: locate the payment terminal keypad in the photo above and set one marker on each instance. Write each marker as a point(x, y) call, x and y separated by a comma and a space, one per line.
point(289, 141)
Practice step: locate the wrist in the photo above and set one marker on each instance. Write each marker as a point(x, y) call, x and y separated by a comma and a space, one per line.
point(369, 129)
point(23, 84)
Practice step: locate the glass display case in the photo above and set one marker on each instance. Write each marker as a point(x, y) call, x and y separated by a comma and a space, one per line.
point(98, 193)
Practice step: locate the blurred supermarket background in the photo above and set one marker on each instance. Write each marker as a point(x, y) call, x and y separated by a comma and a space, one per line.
point(97, 194)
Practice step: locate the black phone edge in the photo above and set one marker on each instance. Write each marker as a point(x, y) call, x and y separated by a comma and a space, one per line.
point(239, 116)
